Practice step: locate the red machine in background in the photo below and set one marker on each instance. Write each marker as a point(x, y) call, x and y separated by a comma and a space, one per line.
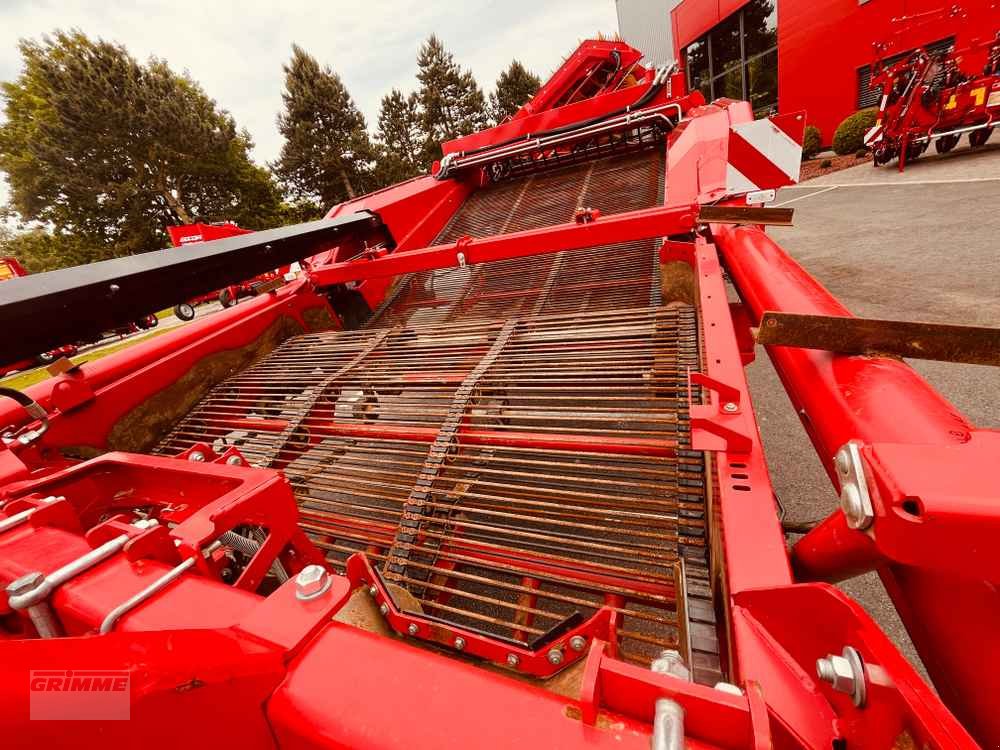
point(185, 234)
point(935, 97)
point(489, 474)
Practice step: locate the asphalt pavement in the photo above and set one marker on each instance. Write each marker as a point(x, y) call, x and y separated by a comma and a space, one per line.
point(922, 245)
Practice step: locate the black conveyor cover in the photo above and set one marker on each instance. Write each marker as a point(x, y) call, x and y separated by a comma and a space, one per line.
point(47, 310)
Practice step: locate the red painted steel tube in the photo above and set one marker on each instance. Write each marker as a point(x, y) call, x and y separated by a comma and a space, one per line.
point(620, 228)
point(840, 398)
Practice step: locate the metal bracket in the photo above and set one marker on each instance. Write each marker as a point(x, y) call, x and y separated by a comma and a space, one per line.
point(719, 426)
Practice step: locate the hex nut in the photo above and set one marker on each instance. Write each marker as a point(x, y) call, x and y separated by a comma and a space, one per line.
point(555, 656)
point(513, 660)
point(196, 456)
point(311, 582)
point(578, 643)
point(459, 643)
point(234, 460)
point(412, 628)
point(836, 671)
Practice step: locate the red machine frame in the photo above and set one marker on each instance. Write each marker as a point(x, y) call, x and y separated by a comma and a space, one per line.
point(266, 671)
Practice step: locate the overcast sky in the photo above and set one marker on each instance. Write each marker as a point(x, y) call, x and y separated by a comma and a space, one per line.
point(236, 49)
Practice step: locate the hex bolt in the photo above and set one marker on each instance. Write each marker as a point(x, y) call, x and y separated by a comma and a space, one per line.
point(728, 687)
point(412, 628)
point(459, 643)
point(373, 590)
point(578, 643)
point(845, 674)
point(311, 582)
point(513, 660)
point(730, 408)
point(234, 460)
point(670, 662)
point(850, 502)
point(383, 609)
point(196, 456)
point(843, 461)
point(555, 656)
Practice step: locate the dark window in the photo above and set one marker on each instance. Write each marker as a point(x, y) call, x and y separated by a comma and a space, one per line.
point(738, 59)
point(725, 39)
point(697, 61)
point(760, 27)
point(729, 84)
point(869, 97)
point(762, 83)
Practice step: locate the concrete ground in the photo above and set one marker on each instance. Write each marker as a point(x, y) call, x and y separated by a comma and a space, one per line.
point(922, 245)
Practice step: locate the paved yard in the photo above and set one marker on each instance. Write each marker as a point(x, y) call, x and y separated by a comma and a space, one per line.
point(924, 245)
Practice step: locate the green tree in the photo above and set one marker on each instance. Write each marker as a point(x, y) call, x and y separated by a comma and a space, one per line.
point(40, 250)
point(109, 151)
point(327, 155)
point(400, 138)
point(451, 102)
point(515, 87)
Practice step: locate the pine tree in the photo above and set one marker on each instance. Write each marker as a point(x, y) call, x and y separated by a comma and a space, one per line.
point(401, 140)
point(451, 102)
point(108, 151)
point(327, 155)
point(515, 87)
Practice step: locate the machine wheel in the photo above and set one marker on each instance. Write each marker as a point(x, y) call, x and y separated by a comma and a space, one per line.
point(915, 150)
point(946, 143)
point(226, 298)
point(184, 311)
point(882, 155)
point(147, 322)
point(979, 137)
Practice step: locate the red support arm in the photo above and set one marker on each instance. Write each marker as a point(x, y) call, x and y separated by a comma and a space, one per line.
point(605, 230)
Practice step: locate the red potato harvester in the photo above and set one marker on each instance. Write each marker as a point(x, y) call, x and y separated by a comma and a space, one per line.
point(935, 97)
point(489, 474)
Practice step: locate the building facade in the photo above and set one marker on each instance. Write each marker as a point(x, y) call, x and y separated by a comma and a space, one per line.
point(816, 55)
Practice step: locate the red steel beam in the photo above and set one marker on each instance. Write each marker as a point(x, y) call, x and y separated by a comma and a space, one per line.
point(608, 230)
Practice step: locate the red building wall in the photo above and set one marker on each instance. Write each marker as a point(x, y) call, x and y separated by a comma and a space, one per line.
point(822, 43)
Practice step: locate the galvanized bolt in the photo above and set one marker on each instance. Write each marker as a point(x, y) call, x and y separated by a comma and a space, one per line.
point(555, 656)
point(728, 687)
point(845, 674)
point(670, 662)
point(383, 609)
point(311, 582)
point(234, 460)
point(850, 501)
point(459, 643)
point(577, 643)
point(730, 408)
point(513, 660)
point(843, 461)
point(412, 629)
point(373, 590)
point(196, 456)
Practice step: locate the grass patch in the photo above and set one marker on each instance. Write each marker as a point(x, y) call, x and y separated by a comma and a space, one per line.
point(22, 380)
